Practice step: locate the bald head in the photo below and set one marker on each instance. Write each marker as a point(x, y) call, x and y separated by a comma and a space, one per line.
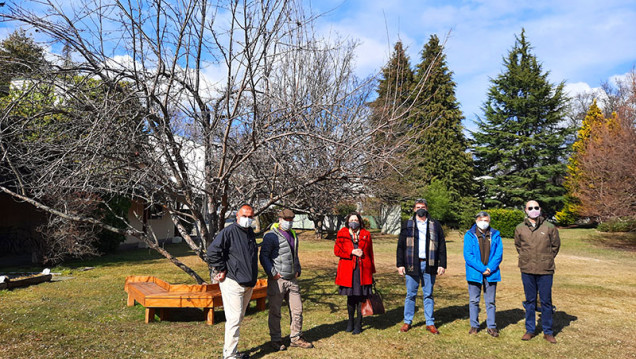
point(532, 204)
point(245, 211)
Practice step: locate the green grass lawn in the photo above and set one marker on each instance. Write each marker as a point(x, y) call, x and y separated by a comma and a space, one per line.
point(87, 317)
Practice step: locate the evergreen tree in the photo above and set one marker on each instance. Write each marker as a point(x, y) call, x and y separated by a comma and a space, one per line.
point(442, 153)
point(570, 210)
point(394, 88)
point(393, 101)
point(521, 144)
point(20, 56)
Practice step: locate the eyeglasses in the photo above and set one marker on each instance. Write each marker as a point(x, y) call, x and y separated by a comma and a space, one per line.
point(535, 208)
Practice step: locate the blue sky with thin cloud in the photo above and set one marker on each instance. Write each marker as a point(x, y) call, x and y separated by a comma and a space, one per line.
point(581, 42)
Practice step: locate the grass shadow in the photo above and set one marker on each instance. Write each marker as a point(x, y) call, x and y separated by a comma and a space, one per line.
point(560, 320)
point(509, 317)
point(444, 315)
point(323, 331)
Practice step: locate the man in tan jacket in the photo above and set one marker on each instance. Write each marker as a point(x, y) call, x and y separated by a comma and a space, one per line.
point(537, 242)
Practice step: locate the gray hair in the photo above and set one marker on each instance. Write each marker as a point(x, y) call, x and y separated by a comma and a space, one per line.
point(482, 214)
point(421, 200)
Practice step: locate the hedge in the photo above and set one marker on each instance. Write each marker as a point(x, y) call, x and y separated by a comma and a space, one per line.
point(505, 220)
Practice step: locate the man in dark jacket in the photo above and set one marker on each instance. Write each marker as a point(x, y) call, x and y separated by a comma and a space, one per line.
point(234, 256)
point(421, 255)
point(279, 258)
point(537, 242)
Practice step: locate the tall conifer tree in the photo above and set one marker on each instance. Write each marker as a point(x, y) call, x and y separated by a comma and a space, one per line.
point(442, 154)
point(521, 143)
point(394, 94)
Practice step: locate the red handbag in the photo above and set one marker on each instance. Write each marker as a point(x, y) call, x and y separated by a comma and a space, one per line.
point(373, 304)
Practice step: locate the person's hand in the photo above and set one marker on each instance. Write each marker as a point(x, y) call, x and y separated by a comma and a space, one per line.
point(487, 272)
point(297, 274)
point(441, 271)
point(401, 270)
point(357, 252)
point(220, 276)
point(276, 277)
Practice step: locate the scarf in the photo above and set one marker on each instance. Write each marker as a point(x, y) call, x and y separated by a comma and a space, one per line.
point(432, 240)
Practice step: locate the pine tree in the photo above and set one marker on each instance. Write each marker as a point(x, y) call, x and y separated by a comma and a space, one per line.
point(393, 101)
point(521, 144)
point(20, 56)
point(395, 86)
point(442, 154)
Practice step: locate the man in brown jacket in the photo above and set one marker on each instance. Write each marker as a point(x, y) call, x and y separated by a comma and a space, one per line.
point(537, 242)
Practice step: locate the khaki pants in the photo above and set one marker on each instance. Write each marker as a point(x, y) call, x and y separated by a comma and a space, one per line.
point(280, 289)
point(235, 301)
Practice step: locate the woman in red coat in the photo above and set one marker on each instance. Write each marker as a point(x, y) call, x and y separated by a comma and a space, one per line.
point(355, 267)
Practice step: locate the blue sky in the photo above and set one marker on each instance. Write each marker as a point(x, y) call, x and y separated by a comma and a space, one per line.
point(581, 42)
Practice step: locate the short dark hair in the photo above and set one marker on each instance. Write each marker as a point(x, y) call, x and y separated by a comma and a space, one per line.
point(482, 214)
point(359, 219)
point(420, 200)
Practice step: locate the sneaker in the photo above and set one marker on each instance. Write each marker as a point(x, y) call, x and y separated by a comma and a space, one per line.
point(493, 332)
point(473, 330)
point(300, 342)
point(277, 345)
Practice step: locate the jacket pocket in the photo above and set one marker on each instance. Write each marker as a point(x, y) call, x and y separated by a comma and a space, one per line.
point(547, 262)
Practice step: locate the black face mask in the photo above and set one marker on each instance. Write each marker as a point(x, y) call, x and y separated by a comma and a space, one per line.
point(422, 212)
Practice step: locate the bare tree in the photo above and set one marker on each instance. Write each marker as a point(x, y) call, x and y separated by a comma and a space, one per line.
point(195, 106)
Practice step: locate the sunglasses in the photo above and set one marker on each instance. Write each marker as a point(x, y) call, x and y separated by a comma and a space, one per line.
point(535, 208)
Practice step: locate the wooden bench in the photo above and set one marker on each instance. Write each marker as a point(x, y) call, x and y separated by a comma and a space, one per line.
point(153, 293)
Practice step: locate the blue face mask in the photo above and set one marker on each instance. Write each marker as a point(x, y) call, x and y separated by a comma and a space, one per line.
point(354, 225)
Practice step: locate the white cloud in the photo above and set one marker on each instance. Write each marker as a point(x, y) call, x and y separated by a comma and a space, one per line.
point(582, 42)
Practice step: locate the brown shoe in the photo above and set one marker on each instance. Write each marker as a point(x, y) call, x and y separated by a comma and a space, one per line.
point(277, 345)
point(473, 330)
point(493, 332)
point(432, 329)
point(527, 336)
point(300, 342)
point(405, 328)
point(550, 338)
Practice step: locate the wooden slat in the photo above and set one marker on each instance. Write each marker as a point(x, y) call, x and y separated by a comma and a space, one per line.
point(154, 293)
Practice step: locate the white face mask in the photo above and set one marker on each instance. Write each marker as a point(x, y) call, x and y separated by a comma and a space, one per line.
point(482, 225)
point(245, 222)
point(285, 225)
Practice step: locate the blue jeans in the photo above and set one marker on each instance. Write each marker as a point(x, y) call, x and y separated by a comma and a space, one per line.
point(474, 294)
point(531, 284)
point(412, 285)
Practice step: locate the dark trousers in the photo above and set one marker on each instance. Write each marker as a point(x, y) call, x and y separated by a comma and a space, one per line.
point(543, 284)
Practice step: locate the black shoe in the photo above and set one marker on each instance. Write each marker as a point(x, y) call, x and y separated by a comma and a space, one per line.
point(349, 326)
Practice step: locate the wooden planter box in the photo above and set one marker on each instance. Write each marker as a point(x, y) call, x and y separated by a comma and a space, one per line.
point(26, 281)
point(153, 293)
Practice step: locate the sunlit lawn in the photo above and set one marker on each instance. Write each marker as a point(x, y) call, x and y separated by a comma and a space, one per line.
point(87, 317)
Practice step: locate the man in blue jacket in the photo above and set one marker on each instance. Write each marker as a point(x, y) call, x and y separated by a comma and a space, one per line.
point(234, 256)
point(483, 251)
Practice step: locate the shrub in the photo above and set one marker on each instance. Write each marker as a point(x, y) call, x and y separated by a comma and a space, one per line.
point(620, 224)
point(505, 220)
